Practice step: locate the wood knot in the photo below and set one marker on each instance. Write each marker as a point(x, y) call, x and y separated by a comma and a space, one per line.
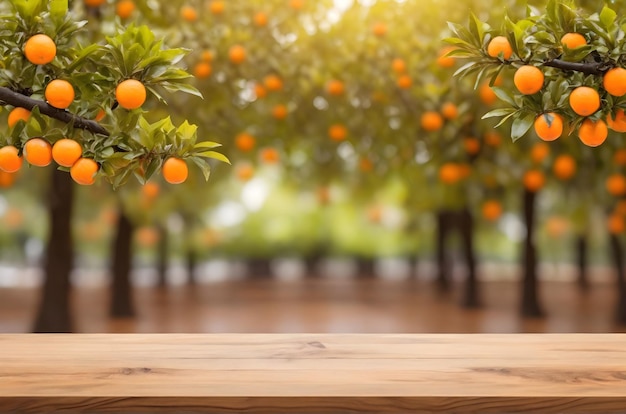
point(131, 371)
point(316, 344)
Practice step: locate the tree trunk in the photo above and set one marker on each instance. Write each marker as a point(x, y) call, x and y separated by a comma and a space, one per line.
point(530, 298)
point(581, 262)
point(192, 260)
point(162, 256)
point(443, 268)
point(365, 267)
point(53, 315)
point(121, 291)
point(259, 268)
point(618, 262)
point(466, 227)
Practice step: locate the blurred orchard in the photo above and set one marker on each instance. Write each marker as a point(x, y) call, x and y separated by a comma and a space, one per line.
point(462, 142)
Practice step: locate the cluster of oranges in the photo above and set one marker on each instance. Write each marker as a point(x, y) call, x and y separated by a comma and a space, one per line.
point(584, 101)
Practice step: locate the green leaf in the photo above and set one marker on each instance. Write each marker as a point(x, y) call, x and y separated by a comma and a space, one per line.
point(207, 144)
point(215, 155)
point(203, 165)
point(521, 126)
point(607, 18)
point(58, 9)
point(498, 112)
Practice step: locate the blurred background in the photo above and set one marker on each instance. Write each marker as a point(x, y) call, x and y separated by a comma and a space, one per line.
point(365, 192)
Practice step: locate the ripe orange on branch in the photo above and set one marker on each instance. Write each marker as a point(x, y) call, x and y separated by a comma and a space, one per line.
point(491, 210)
point(444, 61)
point(280, 112)
point(431, 121)
point(534, 180)
point(59, 93)
point(404, 82)
point(125, 8)
point(175, 170)
point(593, 133)
point(84, 171)
point(95, 3)
point(16, 115)
point(616, 185)
point(450, 173)
point(273, 83)
point(40, 49)
point(573, 40)
point(500, 45)
point(189, 13)
point(449, 110)
point(202, 70)
point(337, 132)
point(237, 54)
point(38, 152)
point(217, 7)
point(549, 126)
point(614, 81)
point(398, 66)
point(10, 161)
point(539, 152)
point(618, 123)
point(584, 100)
point(66, 152)
point(260, 19)
point(270, 156)
point(528, 79)
point(615, 224)
point(130, 94)
point(335, 87)
point(564, 167)
point(245, 142)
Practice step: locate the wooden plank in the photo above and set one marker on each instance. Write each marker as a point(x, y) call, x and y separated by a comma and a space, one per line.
point(313, 373)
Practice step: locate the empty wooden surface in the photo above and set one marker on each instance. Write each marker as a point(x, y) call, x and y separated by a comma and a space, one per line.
point(313, 373)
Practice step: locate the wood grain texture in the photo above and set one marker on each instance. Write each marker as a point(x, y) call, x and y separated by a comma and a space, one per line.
point(313, 373)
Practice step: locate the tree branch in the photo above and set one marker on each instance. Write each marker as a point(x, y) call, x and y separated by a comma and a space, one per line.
point(588, 68)
point(9, 97)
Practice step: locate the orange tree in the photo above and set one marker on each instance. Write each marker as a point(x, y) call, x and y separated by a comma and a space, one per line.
point(78, 98)
point(566, 66)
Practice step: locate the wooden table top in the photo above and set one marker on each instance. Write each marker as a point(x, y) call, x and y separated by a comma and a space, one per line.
point(314, 373)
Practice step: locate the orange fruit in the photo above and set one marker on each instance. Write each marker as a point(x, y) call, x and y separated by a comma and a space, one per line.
point(189, 13)
point(573, 40)
point(18, 114)
point(491, 210)
point(130, 94)
point(398, 66)
point(564, 167)
point(500, 45)
point(279, 112)
point(206, 56)
point(335, 87)
point(593, 133)
point(539, 152)
point(471, 145)
point(237, 54)
point(66, 152)
point(10, 162)
point(40, 49)
point(404, 82)
point(584, 100)
point(125, 8)
point(245, 142)
point(260, 91)
point(493, 138)
point(175, 170)
point(534, 180)
point(366, 165)
point(549, 126)
point(379, 29)
point(450, 173)
point(296, 4)
point(147, 236)
point(487, 95)
point(444, 61)
point(556, 226)
point(217, 7)
point(150, 190)
point(270, 155)
point(38, 152)
point(245, 172)
point(619, 123)
point(616, 185)
point(337, 132)
point(84, 171)
point(614, 81)
point(620, 208)
point(615, 224)
point(619, 158)
point(449, 110)
point(431, 121)
point(94, 3)
point(7, 179)
point(528, 79)
point(202, 70)
point(59, 93)
point(273, 83)
point(260, 19)
point(100, 115)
